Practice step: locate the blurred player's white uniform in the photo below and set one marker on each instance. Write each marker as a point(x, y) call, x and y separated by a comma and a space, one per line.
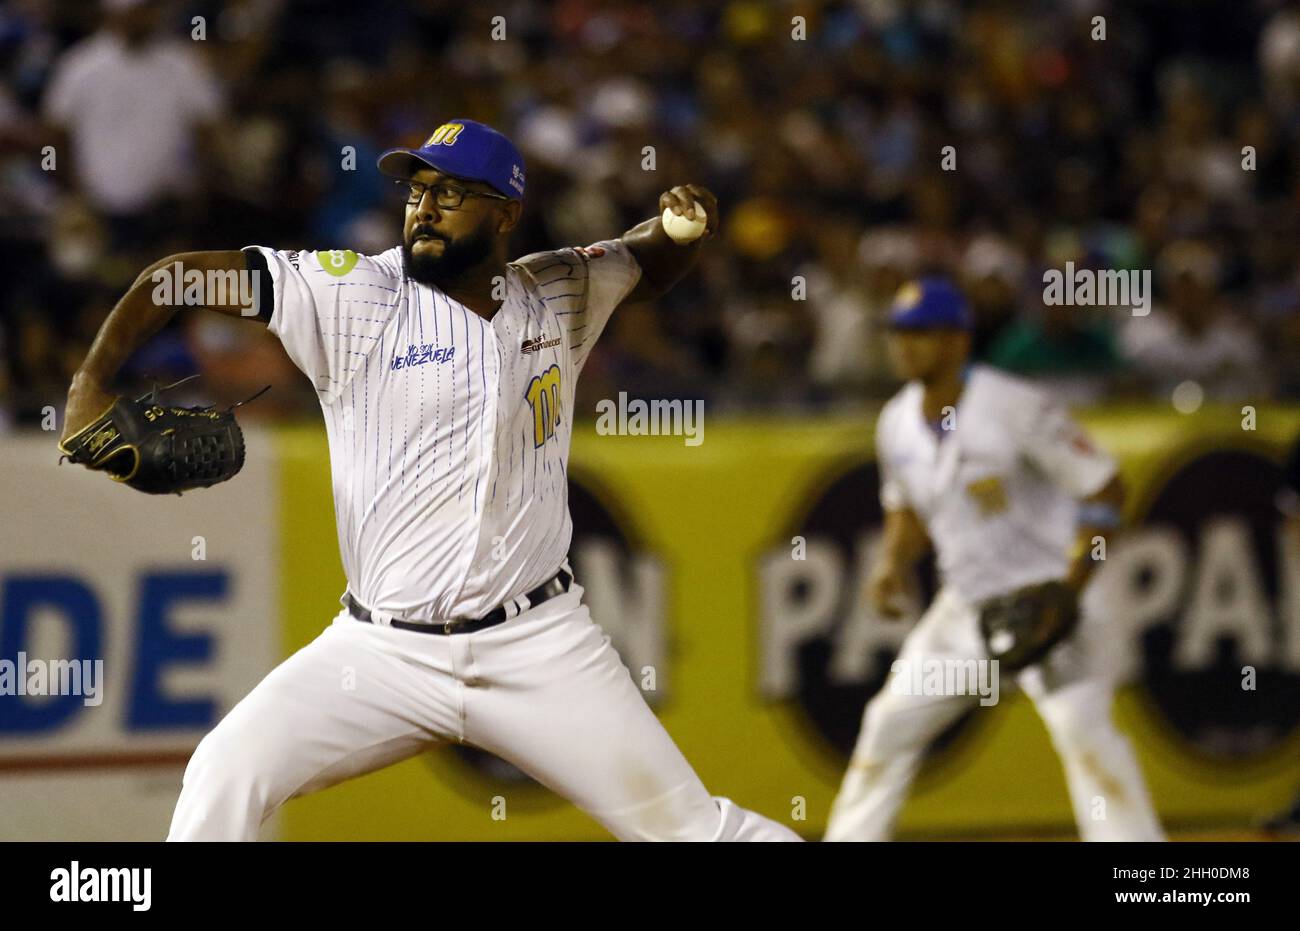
point(998, 496)
point(449, 441)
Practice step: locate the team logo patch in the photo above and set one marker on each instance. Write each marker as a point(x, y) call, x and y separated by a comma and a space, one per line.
point(445, 134)
point(909, 295)
point(989, 495)
point(338, 262)
point(537, 344)
point(543, 396)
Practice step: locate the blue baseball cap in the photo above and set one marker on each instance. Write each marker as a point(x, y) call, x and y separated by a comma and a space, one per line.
point(466, 149)
point(929, 304)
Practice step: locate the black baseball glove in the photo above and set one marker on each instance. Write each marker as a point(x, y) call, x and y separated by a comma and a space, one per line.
point(1020, 628)
point(157, 449)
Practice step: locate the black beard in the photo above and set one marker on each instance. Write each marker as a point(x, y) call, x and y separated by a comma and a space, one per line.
point(457, 258)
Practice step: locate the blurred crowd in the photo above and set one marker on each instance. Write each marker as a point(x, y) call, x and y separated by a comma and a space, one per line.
point(131, 129)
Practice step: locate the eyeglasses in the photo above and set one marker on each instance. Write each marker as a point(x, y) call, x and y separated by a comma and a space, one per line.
point(446, 196)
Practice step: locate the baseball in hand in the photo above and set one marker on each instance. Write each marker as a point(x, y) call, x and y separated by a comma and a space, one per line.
point(682, 230)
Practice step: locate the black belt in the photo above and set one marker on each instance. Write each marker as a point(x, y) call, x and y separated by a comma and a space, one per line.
point(557, 585)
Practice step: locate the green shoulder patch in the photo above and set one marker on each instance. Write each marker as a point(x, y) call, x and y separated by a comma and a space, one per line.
point(338, 262)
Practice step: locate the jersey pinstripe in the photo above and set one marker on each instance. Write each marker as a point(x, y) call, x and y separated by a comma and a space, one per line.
point(448, 434)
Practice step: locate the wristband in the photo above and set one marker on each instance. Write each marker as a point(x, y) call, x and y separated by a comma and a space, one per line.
point(1097, 514)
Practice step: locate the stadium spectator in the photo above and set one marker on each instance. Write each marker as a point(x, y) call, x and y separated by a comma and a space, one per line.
point(138, 109)
point(1191, 337)
point(1120, 148)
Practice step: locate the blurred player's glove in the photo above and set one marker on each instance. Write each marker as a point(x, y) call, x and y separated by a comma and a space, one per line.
point(160, 450)
point(1021, 627)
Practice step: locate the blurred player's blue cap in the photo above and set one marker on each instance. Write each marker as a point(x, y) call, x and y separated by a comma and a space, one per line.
point(466, 149)
point(929, 304)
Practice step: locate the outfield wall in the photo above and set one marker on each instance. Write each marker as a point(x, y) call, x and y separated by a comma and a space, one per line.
point(760, 662)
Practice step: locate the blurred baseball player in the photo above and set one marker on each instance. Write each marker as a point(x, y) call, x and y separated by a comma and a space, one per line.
point(446, 375)
point(1000, 480)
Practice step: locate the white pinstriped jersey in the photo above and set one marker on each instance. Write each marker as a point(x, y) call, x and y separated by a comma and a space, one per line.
point(998, 494)
point(448, 434)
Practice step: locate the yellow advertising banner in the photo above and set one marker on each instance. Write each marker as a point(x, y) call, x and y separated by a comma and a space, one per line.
point(728, 573)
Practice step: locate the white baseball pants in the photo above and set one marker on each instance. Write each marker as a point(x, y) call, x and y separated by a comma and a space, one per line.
point(545, 691)
point(1072, 695)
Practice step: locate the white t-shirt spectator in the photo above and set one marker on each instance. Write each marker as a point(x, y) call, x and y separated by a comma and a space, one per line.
point(131, 114)
point(1225, 359)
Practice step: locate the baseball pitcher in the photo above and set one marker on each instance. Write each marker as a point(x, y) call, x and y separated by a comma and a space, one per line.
point(446, 376)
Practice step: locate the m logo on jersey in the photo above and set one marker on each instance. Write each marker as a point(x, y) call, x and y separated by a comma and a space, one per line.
point(421, 355)
point(445, 134)
point(989, 495)
point(543, 395)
